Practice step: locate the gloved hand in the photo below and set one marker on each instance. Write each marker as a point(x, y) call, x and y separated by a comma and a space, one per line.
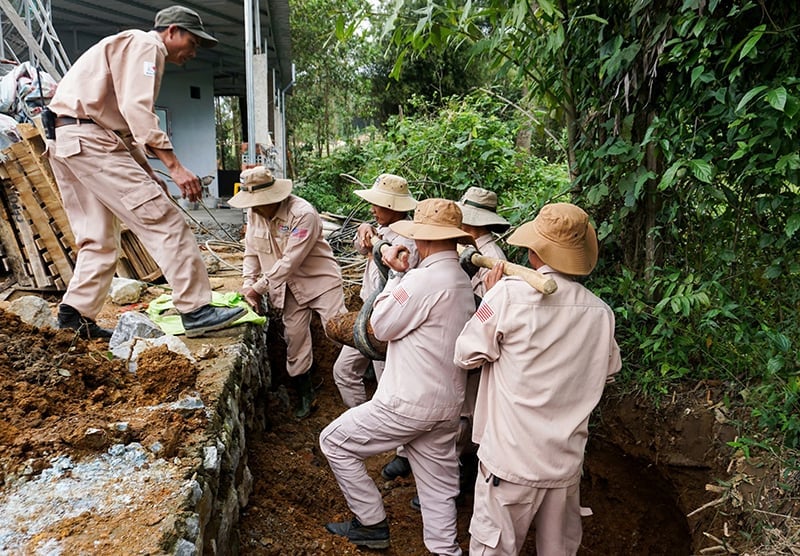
point(254, 299)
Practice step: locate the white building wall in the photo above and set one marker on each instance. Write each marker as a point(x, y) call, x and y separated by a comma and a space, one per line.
point(193, 131)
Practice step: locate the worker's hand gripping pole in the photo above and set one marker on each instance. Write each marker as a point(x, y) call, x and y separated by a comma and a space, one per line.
point(536, 279)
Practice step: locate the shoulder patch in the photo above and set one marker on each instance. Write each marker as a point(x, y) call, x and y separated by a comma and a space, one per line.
point(400, 294)
point(300, 233)
point(484, 312)
point(149, 69)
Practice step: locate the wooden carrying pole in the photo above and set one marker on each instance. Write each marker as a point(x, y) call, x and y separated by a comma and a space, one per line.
point(533, 277)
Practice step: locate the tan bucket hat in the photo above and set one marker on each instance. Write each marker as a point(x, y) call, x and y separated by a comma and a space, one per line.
point(479, 208)
point(389, 191)
point(433, 219)
point(562, 236)
point(259, 187)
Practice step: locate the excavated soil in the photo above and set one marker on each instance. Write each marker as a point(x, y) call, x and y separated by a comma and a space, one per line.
point(647, 467)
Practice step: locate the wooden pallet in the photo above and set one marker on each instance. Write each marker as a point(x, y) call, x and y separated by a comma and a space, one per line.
point(134, 260)
point(37, 246)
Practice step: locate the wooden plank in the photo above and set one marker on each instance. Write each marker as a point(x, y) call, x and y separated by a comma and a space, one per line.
point(41, 221)
point(33, 163)
point(40, 275)
point(10, 240)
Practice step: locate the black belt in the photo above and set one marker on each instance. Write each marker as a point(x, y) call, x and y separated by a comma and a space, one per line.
point(68, 120)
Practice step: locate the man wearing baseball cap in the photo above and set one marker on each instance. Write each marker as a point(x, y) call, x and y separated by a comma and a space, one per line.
point(546, 360)
point(418, 399)
point(100, 123)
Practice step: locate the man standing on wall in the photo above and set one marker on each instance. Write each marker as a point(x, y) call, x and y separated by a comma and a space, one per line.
point(100, 123)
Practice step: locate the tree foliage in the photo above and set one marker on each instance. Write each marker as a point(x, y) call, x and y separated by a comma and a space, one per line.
point(681, 121)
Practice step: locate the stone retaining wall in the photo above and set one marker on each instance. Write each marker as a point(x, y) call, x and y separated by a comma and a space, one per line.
point(223, 483)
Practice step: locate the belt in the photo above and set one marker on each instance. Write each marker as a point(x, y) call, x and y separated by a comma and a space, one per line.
point(68, 120)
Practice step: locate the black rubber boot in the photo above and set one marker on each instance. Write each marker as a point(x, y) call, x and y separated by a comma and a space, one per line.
point(305, 393)
point(69, 317)
point(398, 467)
point(209, 318)
point(372, 536)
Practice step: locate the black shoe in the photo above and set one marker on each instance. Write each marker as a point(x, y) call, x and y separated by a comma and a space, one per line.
point(415, 504)
point(305, 393)
point(209, 318)
point(69, 317)
point(371, 536)
point(398, 467)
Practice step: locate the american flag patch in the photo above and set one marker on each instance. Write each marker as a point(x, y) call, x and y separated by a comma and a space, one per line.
point(300, 233)
point(400, 295)
point(484, 312)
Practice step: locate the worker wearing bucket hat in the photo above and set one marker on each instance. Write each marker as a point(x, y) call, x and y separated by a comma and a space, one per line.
point(481, 221)
point(546, 360)
point(390, 201)
point(287, 259)
point(419, 396)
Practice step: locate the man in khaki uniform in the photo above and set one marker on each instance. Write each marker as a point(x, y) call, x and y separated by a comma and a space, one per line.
point(546, 360)
point(287, 258)
point(420, 394)
point(104, 122)
point(481, 221)
point(390, 202)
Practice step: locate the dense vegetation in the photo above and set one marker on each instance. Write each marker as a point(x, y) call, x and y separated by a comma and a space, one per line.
point(674, 124)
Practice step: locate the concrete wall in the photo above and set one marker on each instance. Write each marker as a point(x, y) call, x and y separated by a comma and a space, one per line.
point(192, 122)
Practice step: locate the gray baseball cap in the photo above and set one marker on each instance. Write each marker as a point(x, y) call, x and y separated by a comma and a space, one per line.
point(185, 19)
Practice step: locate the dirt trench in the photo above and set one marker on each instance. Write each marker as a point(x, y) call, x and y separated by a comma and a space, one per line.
point(646, 469)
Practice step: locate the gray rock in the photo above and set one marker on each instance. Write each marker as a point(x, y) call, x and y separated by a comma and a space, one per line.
point(33, 310)
point(133, 325)
point(131, 349)
point(125, 291)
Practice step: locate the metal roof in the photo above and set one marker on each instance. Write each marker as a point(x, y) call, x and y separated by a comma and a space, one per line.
point(81, 23)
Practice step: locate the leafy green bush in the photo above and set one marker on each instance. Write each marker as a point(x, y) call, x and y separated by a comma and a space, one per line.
point(442, 152)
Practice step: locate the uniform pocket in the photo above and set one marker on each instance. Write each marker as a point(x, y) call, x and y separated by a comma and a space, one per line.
point(66, 148)
point(258, 243)
point(484, 531)
point(148, 204)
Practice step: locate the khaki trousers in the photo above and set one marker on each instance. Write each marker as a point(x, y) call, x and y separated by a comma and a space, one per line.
point(503, 513)
point(297, 323)
point(369, 429)
point(102, 184)
point(348, 374)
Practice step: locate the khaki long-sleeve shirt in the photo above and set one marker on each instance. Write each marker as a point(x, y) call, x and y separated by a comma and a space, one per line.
point(545, 361)
point(420, 315)
point(115, 83)
point(289, 251)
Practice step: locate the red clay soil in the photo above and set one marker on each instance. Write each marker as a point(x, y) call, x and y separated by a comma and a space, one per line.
point(62, 395)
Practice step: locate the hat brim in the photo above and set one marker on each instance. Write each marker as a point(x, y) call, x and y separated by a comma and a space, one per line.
point(275, 193)
point(431, 232)
point(474, 216)
point(206, 40)
point(578, 260)
point(400, 203)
